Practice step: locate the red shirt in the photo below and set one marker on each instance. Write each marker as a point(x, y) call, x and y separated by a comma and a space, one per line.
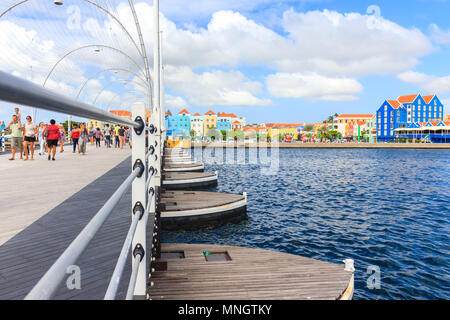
point(53, 132)
point(75, 134)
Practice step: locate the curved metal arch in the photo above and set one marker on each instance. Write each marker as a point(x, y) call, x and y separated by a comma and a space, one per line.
point(128, 99)
point(94, 4)
point(125, 100)
point(85, 47)
point(107, 70)
point(112, 82)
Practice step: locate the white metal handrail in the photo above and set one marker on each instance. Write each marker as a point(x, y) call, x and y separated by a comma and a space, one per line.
point(120, 265)
point(48, 284)
point(16, 90)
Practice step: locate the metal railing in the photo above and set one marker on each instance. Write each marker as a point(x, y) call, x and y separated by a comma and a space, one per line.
point(144, 180)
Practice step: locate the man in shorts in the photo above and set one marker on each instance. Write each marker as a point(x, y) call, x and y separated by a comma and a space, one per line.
point(16, 136)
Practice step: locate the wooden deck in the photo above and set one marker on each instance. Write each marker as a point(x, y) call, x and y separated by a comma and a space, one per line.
point(28, 255)
point(250, 274)
point(30, 189)
point(174, 176)
point(184, 167)
point(194, 209)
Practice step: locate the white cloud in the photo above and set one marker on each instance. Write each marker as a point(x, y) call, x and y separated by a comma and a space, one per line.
point(321, 57)
point(439, 36)
point(313, 86)
point(429, 83)
point(171, 101)
point(215, 87)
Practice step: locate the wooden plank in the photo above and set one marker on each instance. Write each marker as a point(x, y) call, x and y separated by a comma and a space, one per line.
point(251, 274)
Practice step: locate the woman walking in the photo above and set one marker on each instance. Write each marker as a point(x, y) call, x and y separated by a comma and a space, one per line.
point(41, 138)
point(98, 135)
point(30, 132)
point(75, 136)
point(63, 137)
point(84, 136)
point(122, 136)
point(91, 135)
point(53, 136)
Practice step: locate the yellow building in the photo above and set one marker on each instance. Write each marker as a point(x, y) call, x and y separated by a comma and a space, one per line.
point(94, 124)
point(209, 121)
point(275, 131)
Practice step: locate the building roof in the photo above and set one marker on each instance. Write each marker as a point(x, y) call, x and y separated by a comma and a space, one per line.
point(408, 98)
point(229, 115)
point(236, 122)
point(255, 128)
point(355, 116)
point(121, 113)
point(184, 111)
point(394, 103)
point(428, 98)
point(197, 115)
point(283, 125)
point(210, 113)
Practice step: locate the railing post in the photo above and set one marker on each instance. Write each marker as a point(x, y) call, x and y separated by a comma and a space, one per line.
point(139, 203)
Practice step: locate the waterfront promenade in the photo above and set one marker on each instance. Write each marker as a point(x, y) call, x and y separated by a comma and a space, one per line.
point(322, 145)
point(30, 189)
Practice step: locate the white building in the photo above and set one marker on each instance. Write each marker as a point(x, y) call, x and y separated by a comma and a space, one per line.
point(197, 124)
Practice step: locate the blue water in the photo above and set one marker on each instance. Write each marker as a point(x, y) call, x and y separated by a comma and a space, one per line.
point(388, 208)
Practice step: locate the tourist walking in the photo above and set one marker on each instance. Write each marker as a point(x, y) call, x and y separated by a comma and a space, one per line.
point(75, 136)
point(84, 136)
point(30, 132)
point(98, 136)
point(63, 137)
point(16, 136)
point(41, 138)
point(91, 135)
point(53, 136)
point(108, 136)
point(116, 135)
point(121, 136)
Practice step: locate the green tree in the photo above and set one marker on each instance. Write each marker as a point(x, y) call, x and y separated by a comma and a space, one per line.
point(213, 133)
point(224, 134)
point(65, 124)
point(237, 134)
point(192, 133)
point(308, 128)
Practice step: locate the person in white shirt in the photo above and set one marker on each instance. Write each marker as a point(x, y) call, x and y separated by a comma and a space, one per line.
point(30, 132)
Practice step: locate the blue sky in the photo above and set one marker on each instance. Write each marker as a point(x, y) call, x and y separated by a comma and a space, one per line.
point(270, 61)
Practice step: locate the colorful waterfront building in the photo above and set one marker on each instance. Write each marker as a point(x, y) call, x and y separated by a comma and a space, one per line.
point(346, 124)
point(168, 120)
point(182, 124)
point(431, 131)
point(197, 124)
point(209, 121)
point(236, 125)
point(224, 121)
point(409, 111)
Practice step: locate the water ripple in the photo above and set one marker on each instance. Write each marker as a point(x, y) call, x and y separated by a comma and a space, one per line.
point(387, 208)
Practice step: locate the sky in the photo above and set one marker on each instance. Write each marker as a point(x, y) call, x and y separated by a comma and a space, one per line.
point(269, 61)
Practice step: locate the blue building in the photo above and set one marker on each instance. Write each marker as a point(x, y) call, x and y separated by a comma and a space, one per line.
point(406, 112)
point(225, 120)
point(178, 125)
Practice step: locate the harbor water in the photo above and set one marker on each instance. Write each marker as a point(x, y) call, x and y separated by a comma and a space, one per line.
point(386, 209)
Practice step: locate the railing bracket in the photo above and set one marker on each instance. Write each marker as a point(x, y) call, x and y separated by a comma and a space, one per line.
point(141, 166)
point(138, 207)
point(141, 125)
point(139, 250)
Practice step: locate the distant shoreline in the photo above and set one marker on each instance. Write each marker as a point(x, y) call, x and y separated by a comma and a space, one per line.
point(325, 145)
